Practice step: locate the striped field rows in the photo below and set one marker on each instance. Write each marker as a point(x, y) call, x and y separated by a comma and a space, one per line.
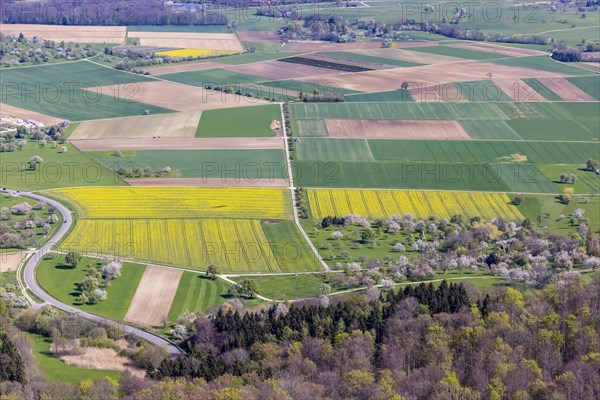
point(421, 204)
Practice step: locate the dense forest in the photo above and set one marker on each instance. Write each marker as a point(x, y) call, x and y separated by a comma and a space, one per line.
point(421, 342)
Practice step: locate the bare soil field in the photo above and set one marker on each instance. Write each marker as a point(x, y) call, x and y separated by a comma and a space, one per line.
point(81, 34)
point(180, 97)
point(209, 182)
point(428, 75)
point(182, 124)
point(592, 56)
point(258, 36)
point(277, 70)
point(396, 129)
point(154, 296)
point(179, 67)
point(566, 89)
point(204, 41)
point(21, 113)
point(496, 49)
point(10, 261)
point(519, 90)
point(180, 144)
point(97, 358)
point(309, 46)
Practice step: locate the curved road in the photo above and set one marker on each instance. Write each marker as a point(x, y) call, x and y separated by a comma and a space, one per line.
point(38, 255)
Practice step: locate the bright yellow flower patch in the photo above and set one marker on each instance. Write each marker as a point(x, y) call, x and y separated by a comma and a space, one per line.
point(196, 53)
point(178, 202)
point(231, 244)
point(374, 204)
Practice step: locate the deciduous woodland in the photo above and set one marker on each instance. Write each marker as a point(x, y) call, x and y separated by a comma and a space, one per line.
point(420, 342)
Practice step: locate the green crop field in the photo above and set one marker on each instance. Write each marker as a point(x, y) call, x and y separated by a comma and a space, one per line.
point(72, 168)
point(203, 163)
point(497, 130)
point(253, 57)
point(60, 281)
point(455, 151)
point(391, 96)
point(57, 371)
point(291, 86)
point(542, 63)
point(589, 84)
point(197, 294)
point(59, 90)
point(289, 247)
point(213, 77)
point(344, 55)
point(561, 130)
point(482, 151)
point(587, 181)
point(317, 149)
point(309, 127)
point(482, 91)
point(252, 121)
point(542, 89)
point(399, 175)
point(558, 213)
point(457, 52)
point(579, 111)
point(288, 287)
point(375, 110)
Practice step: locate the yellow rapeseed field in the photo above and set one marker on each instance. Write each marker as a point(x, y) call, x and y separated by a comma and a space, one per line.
point(421, 204)
point(196, 53)
point(235, 245)
point(178, 202)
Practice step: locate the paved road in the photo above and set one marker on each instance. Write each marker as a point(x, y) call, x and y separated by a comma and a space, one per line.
point(37, 256)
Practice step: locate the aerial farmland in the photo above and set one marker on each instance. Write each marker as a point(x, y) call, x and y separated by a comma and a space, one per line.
point(209, 192)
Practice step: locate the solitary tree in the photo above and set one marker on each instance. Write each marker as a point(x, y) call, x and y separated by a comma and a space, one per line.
point(518, 199)
point(212, 271)
point(247, 288)
point(592, 165)
point(72, 258)
point(567, 195)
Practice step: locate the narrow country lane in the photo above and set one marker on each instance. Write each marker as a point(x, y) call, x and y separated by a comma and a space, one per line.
point(38, 255)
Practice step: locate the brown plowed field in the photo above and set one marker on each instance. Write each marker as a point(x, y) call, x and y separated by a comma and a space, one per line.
point(209, 182)
point(182, 124)
point(519, 90)
point(81, 34)
point(10, 261)
point(180, 97)
point(180, 144)
point(180, 67)
point(565, 89)
point(205, 41)
point(258, 36)
point(428, 75)
point(395, 129)
point(21, 113)
point(154, 296)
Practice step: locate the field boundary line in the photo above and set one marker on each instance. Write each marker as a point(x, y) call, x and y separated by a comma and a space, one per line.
point(293, 192)
point(574, 66)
